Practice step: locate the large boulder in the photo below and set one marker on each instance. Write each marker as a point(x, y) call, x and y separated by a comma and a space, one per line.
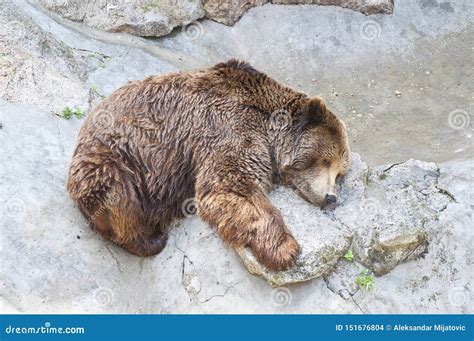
point(145, 18)
point(381, 217)
point(366, 7)
point(155, 18)
point(228, 12)
point(323, 241)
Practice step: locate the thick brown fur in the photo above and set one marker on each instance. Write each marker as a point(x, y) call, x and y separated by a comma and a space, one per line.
point(224, 136)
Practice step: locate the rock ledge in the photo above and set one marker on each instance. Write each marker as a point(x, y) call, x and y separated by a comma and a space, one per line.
point(381, 217)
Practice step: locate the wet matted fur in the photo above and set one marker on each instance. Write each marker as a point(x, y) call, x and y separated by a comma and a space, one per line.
point(223, 136)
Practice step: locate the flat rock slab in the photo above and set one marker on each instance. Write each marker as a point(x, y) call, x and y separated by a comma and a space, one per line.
point(381, 217)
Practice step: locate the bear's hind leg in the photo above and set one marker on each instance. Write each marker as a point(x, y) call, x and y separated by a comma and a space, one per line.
point(104, 190)
point(126, 230)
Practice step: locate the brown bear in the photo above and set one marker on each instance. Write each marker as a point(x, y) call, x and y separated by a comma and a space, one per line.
point(223, 136)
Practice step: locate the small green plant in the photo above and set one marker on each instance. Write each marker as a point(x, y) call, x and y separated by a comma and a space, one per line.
point(349, 256)
point(66, 113)
point(365, 280)
point(79, 113)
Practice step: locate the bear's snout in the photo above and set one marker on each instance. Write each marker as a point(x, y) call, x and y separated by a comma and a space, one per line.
point(330, 198)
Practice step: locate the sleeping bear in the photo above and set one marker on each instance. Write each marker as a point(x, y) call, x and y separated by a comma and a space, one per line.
point(223, 136)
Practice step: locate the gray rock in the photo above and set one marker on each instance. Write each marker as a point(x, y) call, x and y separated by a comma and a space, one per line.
point(388, 219)
point(323, 241)
point(383, 212)
point(228, 12)
point(342, 280)
point(155, 18)
point(33, 61)
point(366, 7)
point(145, 18)
point(453, 179)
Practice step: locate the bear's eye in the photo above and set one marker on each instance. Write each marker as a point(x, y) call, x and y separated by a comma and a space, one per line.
point(304, 163)
point(326, 163)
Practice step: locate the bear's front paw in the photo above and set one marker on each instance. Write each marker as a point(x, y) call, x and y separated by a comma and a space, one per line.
point(280, 255)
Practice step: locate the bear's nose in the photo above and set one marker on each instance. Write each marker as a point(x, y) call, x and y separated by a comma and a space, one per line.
point(330, 198)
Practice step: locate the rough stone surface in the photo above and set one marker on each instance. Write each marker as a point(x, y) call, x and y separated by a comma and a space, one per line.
point(155, 18)
point(342, 280)
point(53, 263)
point(382, 211)
point(366, 7)
point(145, 18)
point(31, 59)
point(228, 12)
point(323, 241)
point(387, 208)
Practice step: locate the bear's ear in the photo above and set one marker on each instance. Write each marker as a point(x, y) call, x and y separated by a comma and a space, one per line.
point(314, 111)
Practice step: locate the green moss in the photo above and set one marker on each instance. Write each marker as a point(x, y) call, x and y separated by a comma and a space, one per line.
point(349, 256)
point(68, 112)
point(79, 113)
point(365, 280)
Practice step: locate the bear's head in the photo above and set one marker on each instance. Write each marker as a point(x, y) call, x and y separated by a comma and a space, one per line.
point(314, 153)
